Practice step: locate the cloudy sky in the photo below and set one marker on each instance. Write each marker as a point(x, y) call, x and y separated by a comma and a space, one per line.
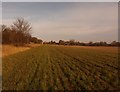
point(70, 20)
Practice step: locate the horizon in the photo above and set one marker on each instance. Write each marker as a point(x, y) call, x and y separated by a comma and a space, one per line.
point(82, 22)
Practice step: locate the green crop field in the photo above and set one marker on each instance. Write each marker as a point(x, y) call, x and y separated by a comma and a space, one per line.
point(50, 67)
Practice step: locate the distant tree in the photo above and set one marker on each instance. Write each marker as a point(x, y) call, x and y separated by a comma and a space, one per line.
point(72, 42)
point(61, 42)
point(52, 42)
point(45, 42)
point(36, 40)
point(40, 41)
point(103, 44)
point(82, 44)
point(114, 43)
point(90, 43)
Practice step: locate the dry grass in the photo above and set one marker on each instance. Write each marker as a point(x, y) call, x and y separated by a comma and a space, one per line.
point(10, 49)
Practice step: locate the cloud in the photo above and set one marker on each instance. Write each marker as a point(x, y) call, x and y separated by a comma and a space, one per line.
point(86, 21)
point(78, 21)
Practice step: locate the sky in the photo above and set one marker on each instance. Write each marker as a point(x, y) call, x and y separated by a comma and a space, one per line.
point(66, 20)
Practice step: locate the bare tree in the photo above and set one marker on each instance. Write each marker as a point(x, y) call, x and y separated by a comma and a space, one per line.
point(21, 25)
point(23, 29)
point(3, 27)
point(72, 42)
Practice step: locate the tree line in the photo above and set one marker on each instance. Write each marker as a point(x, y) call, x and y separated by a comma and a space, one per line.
point(77, 43)
point(19, 33)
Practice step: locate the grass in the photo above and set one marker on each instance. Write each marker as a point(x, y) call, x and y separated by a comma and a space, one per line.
point(50, 67)
point(11, 49)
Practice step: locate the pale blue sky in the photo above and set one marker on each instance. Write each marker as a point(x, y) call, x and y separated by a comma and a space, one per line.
point(54, 21)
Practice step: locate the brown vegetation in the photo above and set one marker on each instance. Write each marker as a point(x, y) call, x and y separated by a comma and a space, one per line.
point(11, 49)
point(19, 34)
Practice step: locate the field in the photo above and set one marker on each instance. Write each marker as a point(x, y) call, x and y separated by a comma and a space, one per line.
point(51, 67)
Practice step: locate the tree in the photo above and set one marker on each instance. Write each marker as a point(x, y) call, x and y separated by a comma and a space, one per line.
point(61, 42)
point(90, 43)
point(6, 35)
point(3, 27)
point(72, 42)
point(114, 43)
point(23, 29)
point(36, 40)
point(22, 25)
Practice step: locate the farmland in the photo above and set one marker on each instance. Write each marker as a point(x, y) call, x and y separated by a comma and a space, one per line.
point(52, 67)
